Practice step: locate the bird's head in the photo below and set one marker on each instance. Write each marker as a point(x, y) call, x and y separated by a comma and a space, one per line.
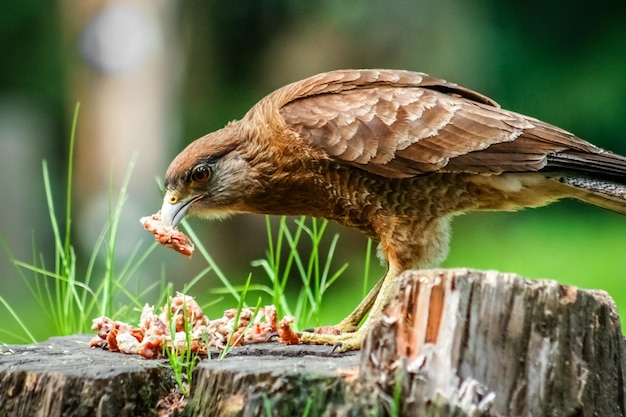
point(209, 178)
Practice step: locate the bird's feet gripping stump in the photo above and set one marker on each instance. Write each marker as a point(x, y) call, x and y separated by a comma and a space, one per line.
point(347, 335)
point(342, 342)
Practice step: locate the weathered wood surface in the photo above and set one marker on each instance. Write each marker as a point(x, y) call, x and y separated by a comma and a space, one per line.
point(451, 343)
point(489, 343)
point(64, 377)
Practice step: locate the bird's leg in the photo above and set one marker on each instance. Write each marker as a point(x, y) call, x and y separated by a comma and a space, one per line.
point(352, 321)
point(353, 340)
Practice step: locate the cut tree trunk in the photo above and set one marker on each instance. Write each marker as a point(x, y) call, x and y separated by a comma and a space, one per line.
point(450, 343)
point(485, 343)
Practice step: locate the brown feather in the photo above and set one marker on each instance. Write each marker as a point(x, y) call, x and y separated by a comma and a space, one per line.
point(398, 124)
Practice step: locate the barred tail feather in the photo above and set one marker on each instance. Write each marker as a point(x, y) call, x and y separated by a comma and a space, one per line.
point(607, 194)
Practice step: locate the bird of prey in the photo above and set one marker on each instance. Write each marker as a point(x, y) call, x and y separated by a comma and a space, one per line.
point(395, 154)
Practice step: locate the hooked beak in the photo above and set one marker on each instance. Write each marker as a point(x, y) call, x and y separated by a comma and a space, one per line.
point(174, 209)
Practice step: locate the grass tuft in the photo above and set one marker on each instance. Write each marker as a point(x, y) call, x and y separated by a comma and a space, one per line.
point(179, 353)
point(314, 272)
point(71, 301)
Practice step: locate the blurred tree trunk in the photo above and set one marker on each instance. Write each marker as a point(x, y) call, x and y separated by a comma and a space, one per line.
point(124, 70)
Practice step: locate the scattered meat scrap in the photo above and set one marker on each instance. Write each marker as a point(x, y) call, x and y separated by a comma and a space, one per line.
point(167, 235)
point(154, 332)
point(285, 334)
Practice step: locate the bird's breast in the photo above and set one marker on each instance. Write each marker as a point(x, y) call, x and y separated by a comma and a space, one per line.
point(363, 200)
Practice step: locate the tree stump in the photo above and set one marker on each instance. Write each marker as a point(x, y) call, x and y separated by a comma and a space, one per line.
point(473, 343)
point(64, 377)
point(450, 343)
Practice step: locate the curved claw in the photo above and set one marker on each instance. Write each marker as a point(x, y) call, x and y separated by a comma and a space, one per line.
point(336, 347)
point(270, 336)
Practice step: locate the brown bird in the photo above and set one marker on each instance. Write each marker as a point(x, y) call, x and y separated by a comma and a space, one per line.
point(395, 154)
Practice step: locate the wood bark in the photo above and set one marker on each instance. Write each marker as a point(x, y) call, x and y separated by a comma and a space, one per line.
point(450, 343)
point(485, 343)
point(64, 377)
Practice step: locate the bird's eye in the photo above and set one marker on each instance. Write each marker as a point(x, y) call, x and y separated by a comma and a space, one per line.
point(200, 174)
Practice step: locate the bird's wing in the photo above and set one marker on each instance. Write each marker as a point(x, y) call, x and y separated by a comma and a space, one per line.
point(400, 124)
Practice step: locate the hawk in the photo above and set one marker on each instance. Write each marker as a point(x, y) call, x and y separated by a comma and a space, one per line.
point(395, 154)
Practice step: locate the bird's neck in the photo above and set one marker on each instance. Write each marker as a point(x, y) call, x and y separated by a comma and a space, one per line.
point(319, 190)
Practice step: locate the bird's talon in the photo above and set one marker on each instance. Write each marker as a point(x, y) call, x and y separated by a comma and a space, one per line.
point(340, 342)
point(271, 336)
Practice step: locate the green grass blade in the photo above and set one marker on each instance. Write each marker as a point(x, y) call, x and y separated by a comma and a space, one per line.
point(205, 254)
point(307, 407)
point(17, 319)
point(366, 268)
point(70, 173)
point(237, 315)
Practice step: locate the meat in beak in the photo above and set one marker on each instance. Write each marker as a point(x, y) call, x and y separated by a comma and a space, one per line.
point(174, 208)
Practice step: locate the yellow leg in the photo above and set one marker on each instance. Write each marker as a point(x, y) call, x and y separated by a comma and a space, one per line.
point(352, 340)
point(351, 322)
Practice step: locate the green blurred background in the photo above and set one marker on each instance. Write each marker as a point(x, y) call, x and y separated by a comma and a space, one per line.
point(152, 76)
